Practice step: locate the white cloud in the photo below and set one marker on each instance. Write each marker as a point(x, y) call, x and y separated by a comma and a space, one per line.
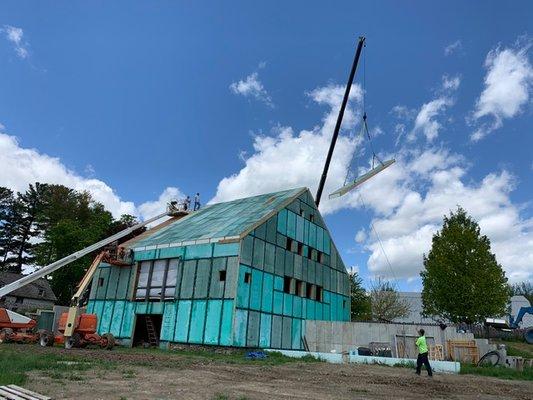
point(507, 88)
point(433, 183)
point(453, 48)
point(152, 208)
point(15, 36)
point(360, 236)
point(428, 120)
point(287, 159)
point(22, 166)
point(251, 86)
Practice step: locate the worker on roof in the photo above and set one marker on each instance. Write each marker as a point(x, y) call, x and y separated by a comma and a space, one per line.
point(196, 202)
point(187, 203)
point(422, 345)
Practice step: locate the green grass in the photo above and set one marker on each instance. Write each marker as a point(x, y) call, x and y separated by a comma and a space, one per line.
point(20, 361)
point(498, 372)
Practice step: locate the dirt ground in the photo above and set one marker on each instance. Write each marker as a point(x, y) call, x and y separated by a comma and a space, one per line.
point(166, 375)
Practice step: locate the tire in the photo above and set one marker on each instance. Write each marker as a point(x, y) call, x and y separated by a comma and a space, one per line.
point(107, 341)
point(46, 339)
point(73, 342)
point(5, 335)
point(528, 335)
point(488, 359)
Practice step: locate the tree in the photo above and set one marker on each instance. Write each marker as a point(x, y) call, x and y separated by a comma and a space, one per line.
point(462, 281)
point(22, 228)
point(387, 305)
point(360, 308)
point(523, 289)
point(7, 200)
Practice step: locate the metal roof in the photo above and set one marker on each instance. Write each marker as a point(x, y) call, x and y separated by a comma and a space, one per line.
point(229, 220)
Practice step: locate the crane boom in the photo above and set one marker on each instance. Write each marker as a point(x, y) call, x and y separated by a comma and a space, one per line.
point(41, 272)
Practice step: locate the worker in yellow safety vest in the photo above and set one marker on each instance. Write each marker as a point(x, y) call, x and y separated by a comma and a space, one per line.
point(422, 345)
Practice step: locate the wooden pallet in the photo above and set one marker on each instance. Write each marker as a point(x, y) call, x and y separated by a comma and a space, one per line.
point(467, 350)
point(436, 352)
point(14, 392)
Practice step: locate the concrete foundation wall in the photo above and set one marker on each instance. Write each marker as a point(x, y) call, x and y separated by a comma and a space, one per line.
point(330, 336)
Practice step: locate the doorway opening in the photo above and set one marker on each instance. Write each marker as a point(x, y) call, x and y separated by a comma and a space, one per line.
point(147, 330)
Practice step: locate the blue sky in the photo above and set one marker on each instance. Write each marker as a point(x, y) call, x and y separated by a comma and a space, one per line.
point(138, 102)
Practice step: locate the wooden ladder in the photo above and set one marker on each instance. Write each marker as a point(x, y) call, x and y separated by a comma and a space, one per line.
point(152, 337)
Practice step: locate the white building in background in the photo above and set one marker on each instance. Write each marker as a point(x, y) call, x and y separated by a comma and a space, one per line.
point(415, 301)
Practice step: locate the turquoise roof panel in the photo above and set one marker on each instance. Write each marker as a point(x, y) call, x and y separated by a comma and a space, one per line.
point(221, 220)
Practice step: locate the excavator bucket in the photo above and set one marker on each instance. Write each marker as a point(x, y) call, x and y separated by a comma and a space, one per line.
point(361, 179)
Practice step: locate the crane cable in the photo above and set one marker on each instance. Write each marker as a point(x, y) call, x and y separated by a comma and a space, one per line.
point(364, 128)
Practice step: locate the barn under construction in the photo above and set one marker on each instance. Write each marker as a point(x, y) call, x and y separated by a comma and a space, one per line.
point(245, 273)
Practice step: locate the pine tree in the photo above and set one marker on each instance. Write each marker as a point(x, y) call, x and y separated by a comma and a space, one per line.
point(462, 281)
point(7, 200)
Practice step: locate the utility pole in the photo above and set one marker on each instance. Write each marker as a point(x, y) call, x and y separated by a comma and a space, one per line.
point(339, 120)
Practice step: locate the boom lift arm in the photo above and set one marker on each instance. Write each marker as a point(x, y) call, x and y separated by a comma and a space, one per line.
point(172, 210)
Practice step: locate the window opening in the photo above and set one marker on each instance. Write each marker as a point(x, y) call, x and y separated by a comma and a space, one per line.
point(100, 282)
point(288, 244)
point(300, 248)
point(157, 279)
point(247, 277)
point(221, 276)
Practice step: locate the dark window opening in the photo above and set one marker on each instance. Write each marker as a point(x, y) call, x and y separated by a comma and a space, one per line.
point(287, 284)
point(288, 245)
point(312, 217)
point(344, 304)
point(247, 277)
point(300, 288)
point(221, 276)
point(41, 292)
point(318, 293)
point(300, 248)
point(100, 282)
point(309, 291)
point(309, 252)
point(320, 257)
point(302, 213)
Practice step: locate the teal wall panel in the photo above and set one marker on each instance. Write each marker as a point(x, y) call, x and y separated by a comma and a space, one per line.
point(183, 321)
point(212, 322)
point(286, 336)
point(232, 272)
point(271, 229)
point(90, 307)
point(252, 336)
point(297, 307)
point(258, 258)
point(265, 330)
point(267, 292)
point(196, 333)
point(203, 273)
point(216, 287)
point(291, 225)
point(243, 288)
point(155, 307)
point(296, 334)
point(142, 308)
point(98, 309)
point(287, 304)
point(123, 283)
point(126, 330)
point(169, 321)
point(241, 321)
point(270, 258)
point(171, 252)
point(278, 283)
point(226, 328)
point(299, 229)
point(187, 282)
point(112, 284)
point(282, 222)
point(277, 305)
point(247, 246)
point(116, 320)
point(256, 292)
point(199, 251)
point(277, 329)
point(104, 279)
point(226, 249)
point(107, 314)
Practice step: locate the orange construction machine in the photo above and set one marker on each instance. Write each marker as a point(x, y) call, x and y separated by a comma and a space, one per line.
point(17, 328)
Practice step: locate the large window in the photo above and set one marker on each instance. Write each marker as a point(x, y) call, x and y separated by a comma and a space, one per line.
point(157, 280)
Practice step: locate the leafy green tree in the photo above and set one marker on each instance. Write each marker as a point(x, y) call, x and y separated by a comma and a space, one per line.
point(462, 281)
point(523, 289)
point(360, 301)
point(386, 303)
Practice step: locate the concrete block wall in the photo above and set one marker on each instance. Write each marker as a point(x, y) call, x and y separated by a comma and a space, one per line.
point(336, 336)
